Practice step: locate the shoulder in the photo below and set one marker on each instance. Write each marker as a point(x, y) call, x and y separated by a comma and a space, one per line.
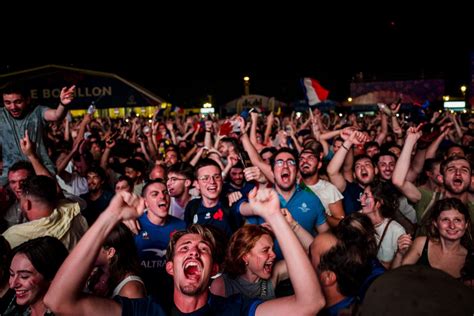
point(141, 306)
point(218, 286)
point(396, 228)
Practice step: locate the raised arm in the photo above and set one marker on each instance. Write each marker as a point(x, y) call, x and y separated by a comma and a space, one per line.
point(308, 298)
point(334, 167)
point(403, 163)
point(65, 98)
point(65, 295)
point(28, 149)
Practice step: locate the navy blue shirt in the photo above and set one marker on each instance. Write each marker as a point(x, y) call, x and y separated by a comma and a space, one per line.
point(351, 199)
point(235, 305)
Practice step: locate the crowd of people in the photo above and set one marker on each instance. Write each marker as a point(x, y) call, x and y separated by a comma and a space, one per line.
point(252, 214)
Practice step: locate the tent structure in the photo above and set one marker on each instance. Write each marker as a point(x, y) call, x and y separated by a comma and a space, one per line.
point(106, 90)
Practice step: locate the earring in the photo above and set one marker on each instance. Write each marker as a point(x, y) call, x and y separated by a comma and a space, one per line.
point(246, 263)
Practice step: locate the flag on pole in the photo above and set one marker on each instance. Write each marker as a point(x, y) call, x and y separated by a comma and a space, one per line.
point(315, 93)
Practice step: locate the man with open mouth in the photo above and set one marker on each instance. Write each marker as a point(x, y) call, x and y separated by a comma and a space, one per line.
point(191, 262)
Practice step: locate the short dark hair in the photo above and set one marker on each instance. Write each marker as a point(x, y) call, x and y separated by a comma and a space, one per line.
point(98, 171)
point(376, 158)
point(22, 165)
point(183, 168)
point(445, 163)
point(204, 163)
point(147, 184)
point(284, 150)
point(350, 267)
point(16, 87)
point(45, 253)
point(42, 188)
point(360, 157)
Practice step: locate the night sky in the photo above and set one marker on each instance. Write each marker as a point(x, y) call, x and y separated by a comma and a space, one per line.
point(183, 60)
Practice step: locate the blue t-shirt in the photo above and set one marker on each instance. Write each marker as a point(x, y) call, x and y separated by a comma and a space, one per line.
point(151, 242)
point(235, 305)
point(305, 207)
point(218, 216)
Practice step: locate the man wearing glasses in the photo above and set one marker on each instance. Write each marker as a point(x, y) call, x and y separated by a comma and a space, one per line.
point(212, 208)
point(304, 206)
point(180, 179)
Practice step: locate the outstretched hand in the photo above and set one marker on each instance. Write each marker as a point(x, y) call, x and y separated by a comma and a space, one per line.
point(27, 147)
point(67, 95)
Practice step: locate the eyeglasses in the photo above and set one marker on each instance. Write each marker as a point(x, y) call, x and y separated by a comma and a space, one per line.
point(207, 178)
point(174, 179)
point(281, 162)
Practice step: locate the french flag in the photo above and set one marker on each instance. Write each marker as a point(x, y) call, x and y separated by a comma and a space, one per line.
point(315, 93)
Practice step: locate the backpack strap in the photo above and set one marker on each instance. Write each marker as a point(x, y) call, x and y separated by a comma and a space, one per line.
point(383, 234)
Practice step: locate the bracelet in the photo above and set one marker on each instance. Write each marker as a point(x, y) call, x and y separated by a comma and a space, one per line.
point(344, 147)
point(293, 227)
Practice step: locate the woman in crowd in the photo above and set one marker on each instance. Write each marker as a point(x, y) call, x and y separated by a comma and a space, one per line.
point(448, 242)
point(249, 266)
point(117, 267)
point(6, 294)
point(32, 269)
point(379, 204)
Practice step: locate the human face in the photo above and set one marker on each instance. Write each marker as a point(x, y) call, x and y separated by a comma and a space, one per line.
point(225, 148)
point(337, 144)
point(158, 172)
point(192, 265)
point(267, 157)
point(367, 201)
point(122, 186)
point(171, 158)
point(94, 182)
point(372, 151)
point(237, 176)
point(364, 171)
point(451, 224)
point(15, 104)
point(157, 201)
point(209, 181)
point(29, 285)
point(308, 164)
point(132, 173)
point(455, 151)
point(285, 175)
point(176, 184)
point(261, 258)
point(386, 164)
point(15, 179)
point(457, 176)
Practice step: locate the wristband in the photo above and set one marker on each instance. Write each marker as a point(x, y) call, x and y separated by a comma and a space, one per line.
point(344, 147)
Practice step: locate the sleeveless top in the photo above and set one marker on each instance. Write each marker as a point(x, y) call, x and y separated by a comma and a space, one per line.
point(119, 286)
point(263, 289)
point(423, 260)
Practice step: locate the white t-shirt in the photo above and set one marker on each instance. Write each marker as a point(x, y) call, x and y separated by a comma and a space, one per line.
point(327, 193)
point(389, 243)
point(176, 210)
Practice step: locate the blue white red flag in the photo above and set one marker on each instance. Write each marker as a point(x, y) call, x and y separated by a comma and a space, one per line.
point(315, 93)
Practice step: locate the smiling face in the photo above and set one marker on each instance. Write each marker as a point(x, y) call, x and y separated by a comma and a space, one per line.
point(15, 104)
point(192, 265)
point(451, 224)
point(386, 165)
point(209, 181)
point(15, 179)
point(29, 285)
point(308, 164)
point(261, 258)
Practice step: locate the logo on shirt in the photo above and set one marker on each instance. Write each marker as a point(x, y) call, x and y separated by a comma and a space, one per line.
point(304, 208)
point(208, 215)
point(145, 235)
point(219, 215)
point(156, 251)
point(195, 218)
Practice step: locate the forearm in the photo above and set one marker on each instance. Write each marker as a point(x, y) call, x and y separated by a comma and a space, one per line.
point(40, 169)
point(402, 165)
point(300, 270)
point(66, 288)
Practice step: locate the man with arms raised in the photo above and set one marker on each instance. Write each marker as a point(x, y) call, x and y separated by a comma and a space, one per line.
point(191, 262)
